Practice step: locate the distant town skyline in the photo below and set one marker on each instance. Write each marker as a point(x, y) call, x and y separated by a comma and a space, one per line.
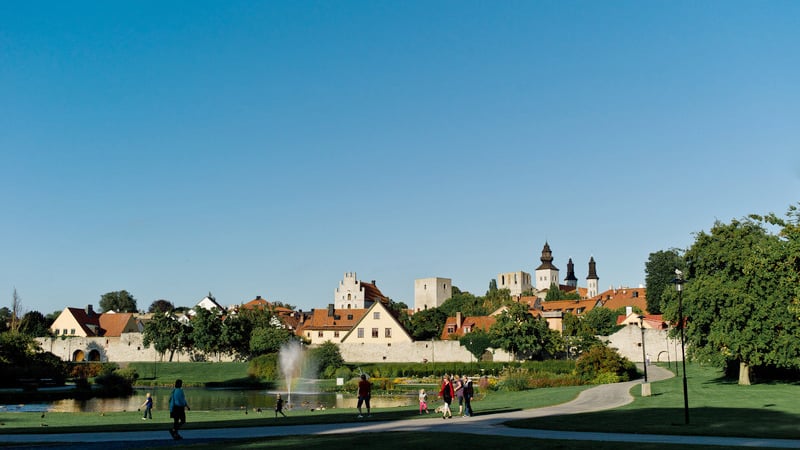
point(267, 148)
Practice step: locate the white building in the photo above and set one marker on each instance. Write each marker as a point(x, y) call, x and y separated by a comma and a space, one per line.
point(515, 282)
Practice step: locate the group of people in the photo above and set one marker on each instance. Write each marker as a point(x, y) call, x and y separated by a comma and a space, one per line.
point(457, 387)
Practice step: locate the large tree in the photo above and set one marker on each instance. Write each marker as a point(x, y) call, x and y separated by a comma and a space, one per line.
point(736, 299)
point(659, 276)
point(207, 331)
point(427, 324)
point(161, 306)
point(118, 301)
point(166, 333)
point(518, 332)
point(34, 324)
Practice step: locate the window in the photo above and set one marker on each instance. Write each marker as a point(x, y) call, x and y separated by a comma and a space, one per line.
point(65, 331)
point(319, 333)
point(374, 332)
point(361, 333)
point(376, 315)
point(335, 334)
point(451, 329)
point(58, 331)
point(349, 317)
point(72, 331)
point(349, 296)
point(388, 333)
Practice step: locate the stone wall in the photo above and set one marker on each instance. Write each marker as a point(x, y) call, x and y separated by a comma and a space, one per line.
point(430, 351)
point(659, 347)
point(126, 348)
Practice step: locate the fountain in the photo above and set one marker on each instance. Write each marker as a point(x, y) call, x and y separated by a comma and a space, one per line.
point(295, 367)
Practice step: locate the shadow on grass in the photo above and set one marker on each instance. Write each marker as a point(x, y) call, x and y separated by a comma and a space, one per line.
point(729, 422)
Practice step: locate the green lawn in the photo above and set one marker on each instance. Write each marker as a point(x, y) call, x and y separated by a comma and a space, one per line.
point(717, 407)
point(192, 374)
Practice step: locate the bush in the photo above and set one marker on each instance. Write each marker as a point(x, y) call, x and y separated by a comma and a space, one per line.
point(113, 385)
point(264, 366)
point(600, 361)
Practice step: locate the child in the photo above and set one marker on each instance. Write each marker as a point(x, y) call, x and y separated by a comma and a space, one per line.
point(423, 402)
point(279, 406)
point(148, 407)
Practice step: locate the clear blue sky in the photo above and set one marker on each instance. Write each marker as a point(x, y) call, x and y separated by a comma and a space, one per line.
point(266, 148)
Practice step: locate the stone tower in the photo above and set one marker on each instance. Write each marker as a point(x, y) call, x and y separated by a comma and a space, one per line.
point(592, 280)
point(546, 273)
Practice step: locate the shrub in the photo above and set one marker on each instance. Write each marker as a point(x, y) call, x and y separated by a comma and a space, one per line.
point(602, 360)
point(264, 366)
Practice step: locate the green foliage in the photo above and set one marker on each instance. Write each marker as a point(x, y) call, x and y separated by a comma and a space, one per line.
point(327, 358)
point(264, 367)
point(119, 301)
point(34, 324)
point(600, 361)
point(161, 306)
point(523, 378)
point(555, 293)
point(601, 321)
point(206, 331)
point(520, 333)
point(427, 324)
point(659, 277)
point(740, 285)
point(476, 341)
point(20, 358)
point(268, 339)
point(166, 333)
point(113, 384)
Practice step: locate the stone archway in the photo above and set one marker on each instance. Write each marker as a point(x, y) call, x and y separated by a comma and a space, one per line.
point(94, 355)
point(78, 356)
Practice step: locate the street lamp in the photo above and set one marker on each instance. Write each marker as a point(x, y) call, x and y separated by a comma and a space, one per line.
point(644, 352)
point(679, 286)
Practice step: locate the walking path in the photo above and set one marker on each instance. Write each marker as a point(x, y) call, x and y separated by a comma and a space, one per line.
point(599, 398)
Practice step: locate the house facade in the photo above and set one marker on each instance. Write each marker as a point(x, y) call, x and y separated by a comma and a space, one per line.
point(354, 294)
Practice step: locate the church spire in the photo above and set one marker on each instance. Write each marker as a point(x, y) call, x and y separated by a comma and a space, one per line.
point(592, 270)
point(547, 258)
point(571, 280)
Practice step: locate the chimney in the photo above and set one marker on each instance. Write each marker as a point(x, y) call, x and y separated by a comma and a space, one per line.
point(89, 310)
point(330, 310)
point(458, 320)
point(258, 297)
point(373, 283)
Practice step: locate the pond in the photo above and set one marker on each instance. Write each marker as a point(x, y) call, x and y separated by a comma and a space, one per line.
point(204, 399)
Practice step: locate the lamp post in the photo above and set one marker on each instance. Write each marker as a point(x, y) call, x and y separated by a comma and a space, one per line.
point(644, 352)
point(679, 287)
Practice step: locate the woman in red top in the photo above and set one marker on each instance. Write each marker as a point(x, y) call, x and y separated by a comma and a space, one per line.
point(446, 393)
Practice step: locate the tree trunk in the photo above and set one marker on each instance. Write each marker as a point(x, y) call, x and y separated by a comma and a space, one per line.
point(744, 374)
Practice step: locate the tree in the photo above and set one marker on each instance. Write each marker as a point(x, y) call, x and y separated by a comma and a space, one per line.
point(660, 275)
point(16, 311)
point(206, 331)
point(327, 357)
point(166, 334)
point(427, 324)
point(555, 293)
point(740, 283)
point(235, 338)
point(5, 318)
point(268, 339)
point(527, 337)
point(162, 306)
point(476, 341)
point(601, 321)
point(118, 301)
point(34, 324)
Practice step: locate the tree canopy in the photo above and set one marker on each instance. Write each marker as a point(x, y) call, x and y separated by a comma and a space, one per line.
point(161, 305)
point(520, 333)
point(659, 276)
point(118, 301)
point(740, 285)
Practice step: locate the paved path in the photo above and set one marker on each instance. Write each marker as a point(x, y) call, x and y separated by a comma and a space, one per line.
point(599, 398)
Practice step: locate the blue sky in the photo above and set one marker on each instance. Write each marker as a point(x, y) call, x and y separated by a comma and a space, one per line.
point(173, 149)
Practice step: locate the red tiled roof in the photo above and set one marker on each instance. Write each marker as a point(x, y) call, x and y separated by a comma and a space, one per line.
point(342, 319)
point(569, 306)
point(622, 297)
point(471, 323)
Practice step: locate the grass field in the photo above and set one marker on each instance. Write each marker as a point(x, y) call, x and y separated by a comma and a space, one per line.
point(718, 407)
point(192, 374)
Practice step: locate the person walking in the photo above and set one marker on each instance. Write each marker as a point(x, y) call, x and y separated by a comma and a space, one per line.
point(446, 393)
point(458, 388)
point(279, 406)
point(364, 393)
point(177, 409)
point(469, 392)
point(423, 401)
point(148, 407)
